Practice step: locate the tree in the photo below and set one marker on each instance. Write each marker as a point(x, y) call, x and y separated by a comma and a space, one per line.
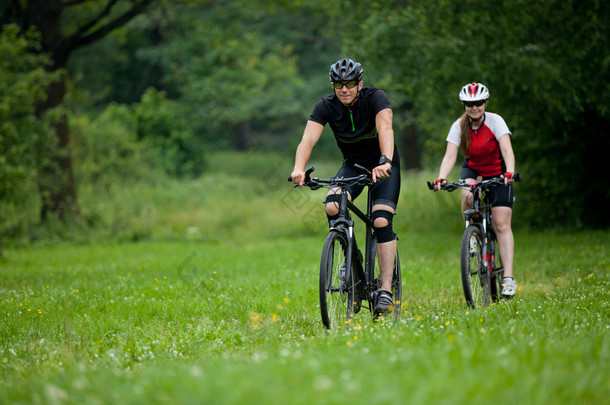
point(246, 73)
point(65, 27)
point(23, 80)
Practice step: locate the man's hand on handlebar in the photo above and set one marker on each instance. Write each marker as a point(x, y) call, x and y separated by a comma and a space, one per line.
point(381, 172)
point(301, 178)
point(298, 177)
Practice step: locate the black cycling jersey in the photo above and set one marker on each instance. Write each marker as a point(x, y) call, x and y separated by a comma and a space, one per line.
point(354, 126)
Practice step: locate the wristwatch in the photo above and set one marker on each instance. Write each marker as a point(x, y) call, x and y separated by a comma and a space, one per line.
point(384, 159)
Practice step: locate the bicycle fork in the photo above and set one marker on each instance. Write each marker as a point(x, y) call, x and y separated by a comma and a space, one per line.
point(485, 256)
point(348, 231)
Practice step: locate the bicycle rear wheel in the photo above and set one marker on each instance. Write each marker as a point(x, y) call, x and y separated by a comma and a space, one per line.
point(336, 283)
point(475, 277)
point(397, 287)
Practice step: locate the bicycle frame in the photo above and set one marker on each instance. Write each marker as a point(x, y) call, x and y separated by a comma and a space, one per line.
point(481, 216)
point(345, 207)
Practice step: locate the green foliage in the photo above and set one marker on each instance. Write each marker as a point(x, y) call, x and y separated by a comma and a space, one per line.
point(22, 134)
point(227, 75)
point(135, 143)
point(163, 128)
point(247, 74)
point(548, 78)
point(242, 71)
point(119, 67)
point(106, 148)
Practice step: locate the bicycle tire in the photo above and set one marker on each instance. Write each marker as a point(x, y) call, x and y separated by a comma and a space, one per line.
point(497, 273)
point(475, 278)
point(397, 288)
point(336, 283)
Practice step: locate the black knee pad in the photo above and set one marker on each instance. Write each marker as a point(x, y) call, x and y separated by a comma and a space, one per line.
point(385, 233)
point(333, 198)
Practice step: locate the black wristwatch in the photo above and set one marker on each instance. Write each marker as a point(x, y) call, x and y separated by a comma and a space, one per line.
point(384, 159)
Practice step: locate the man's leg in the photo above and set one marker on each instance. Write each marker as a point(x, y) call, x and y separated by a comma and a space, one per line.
point(386, 254)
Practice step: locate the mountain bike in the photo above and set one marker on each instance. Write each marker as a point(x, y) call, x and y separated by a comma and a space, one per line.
point(348, 280)
point(481, 268)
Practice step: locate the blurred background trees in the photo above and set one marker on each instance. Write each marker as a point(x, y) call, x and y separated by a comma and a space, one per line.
point(102, 91)
point(547, 65)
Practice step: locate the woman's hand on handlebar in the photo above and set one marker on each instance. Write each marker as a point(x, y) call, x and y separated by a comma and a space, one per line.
point(381, 172)
point(509, 177)
point(439, 183)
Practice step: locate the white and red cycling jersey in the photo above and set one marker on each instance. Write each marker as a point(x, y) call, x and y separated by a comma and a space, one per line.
point(485, 156)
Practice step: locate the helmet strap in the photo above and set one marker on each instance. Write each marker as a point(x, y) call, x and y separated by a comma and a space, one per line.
point(478, 122)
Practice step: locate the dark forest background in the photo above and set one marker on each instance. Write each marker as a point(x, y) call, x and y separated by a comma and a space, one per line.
point(96, 92)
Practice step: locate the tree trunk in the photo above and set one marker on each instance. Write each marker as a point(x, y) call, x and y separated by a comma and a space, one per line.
point(242, 136)
point(410, 152)
point(57, 185)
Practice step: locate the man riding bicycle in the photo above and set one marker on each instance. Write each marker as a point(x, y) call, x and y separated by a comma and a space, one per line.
point(361, 120)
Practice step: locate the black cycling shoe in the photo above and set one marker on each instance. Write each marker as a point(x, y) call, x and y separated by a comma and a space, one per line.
point(383, 302)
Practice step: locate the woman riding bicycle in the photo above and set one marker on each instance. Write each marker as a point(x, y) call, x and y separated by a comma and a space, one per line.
point(361, 120)
point(484, 140)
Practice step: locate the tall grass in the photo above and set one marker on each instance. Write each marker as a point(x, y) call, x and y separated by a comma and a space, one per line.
point(242, 195)
point(218, 303)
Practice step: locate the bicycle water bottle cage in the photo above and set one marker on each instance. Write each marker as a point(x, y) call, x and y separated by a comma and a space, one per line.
point(472, 214)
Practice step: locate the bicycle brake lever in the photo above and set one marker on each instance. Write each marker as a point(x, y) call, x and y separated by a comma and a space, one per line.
point(362, 168)
point(307, 175)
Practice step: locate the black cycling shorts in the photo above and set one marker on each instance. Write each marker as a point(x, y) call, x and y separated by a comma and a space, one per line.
point(385, 191)
point(501, 196)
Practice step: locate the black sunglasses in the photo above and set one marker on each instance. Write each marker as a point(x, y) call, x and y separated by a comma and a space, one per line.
point(478, 103)
point(349, 85)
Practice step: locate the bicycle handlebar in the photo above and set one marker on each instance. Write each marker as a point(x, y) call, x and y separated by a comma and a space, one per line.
point(314, 183)
point(484, 184)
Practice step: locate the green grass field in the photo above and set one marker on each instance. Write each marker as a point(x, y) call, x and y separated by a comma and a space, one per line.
point(214, 300)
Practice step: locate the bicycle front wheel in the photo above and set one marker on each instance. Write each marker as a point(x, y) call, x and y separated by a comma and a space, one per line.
point(475, 277)
point(336, 283)
point(495, 282)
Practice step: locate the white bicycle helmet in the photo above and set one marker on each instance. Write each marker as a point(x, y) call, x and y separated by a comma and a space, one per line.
point(474, 92)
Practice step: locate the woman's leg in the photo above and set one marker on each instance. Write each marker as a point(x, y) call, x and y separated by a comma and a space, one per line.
point(467, 196)
point(502, 217)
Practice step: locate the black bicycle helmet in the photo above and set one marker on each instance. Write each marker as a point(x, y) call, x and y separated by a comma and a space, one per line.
point(345, 70)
